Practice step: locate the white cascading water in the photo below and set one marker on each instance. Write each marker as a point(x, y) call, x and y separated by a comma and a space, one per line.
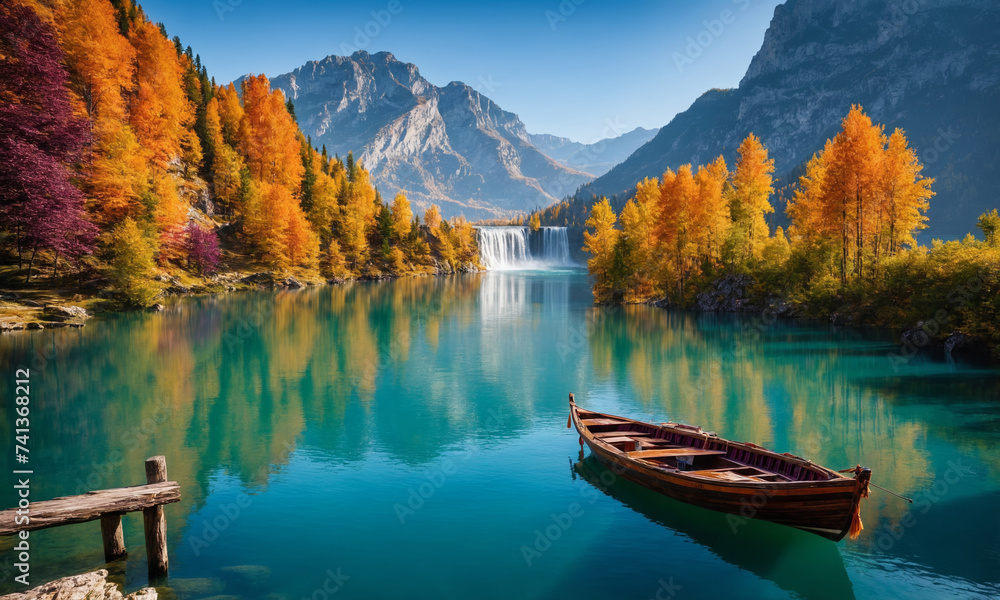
point(509, 248)
point(555, 246)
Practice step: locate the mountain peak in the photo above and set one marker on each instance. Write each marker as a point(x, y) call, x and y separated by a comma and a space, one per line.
point(382, 56)
point(928, 68)
point(450, 146)
point(596, 158)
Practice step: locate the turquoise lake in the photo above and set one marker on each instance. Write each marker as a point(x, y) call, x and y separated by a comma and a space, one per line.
point(408, 439)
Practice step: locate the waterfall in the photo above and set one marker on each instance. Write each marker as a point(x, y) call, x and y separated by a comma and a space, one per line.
point(503, 247)
point(555, 246)
point(508, 248)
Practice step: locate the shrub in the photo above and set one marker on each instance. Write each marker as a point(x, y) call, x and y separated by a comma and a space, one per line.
point(132, 264)
point(202, 248)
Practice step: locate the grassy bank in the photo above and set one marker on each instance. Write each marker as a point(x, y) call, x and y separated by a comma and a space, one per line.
point(948, 292)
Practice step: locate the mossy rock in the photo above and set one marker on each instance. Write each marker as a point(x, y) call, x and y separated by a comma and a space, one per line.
point(251, 575)
point(196, 587)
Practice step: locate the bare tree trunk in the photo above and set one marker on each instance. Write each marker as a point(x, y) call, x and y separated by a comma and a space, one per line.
point(843, 261)
point(31, 263)
point(20, 259)
point(892, 228)
point(859, 234)
point(55, 267)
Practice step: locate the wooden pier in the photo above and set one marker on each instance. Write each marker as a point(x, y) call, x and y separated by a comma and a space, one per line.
point(109, 506)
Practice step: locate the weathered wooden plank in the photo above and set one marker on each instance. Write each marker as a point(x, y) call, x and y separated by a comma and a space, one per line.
point(603, 421)
point(90, 506)
point(155, 522)
point(724, 475)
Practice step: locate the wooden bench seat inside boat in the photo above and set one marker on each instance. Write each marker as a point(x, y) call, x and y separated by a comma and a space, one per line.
point(740, 474)
point(664, 452)
point(617, 440)
point(602, 434)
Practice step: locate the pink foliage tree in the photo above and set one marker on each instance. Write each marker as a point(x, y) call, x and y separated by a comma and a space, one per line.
point(40, 141)
point(202, 248)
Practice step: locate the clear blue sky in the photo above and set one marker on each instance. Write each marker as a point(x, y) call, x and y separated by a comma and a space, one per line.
point(576, 68)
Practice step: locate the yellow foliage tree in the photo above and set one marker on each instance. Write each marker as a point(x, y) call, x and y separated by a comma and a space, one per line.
point(463, 236)
point(432, 217)
point(119, 177)
point(358, 212)
point(325, 209)
point(752, 189)
point(132, 264)
point(599, 240)
point(334, 263)
point(263, 205)
point(402, 216)
point(904, 196)
point(170, 216)
point(638, 220)
point(535, 222)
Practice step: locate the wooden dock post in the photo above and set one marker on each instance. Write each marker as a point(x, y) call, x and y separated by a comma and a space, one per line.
point(108, 506)
point(155, 522)
point(113, 536)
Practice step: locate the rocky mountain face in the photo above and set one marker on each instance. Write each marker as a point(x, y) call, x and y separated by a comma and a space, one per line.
point(597, 158)
point(449, 145)
point(930, 67)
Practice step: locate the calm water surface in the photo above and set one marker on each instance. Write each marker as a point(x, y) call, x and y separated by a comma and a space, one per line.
point(408, 439)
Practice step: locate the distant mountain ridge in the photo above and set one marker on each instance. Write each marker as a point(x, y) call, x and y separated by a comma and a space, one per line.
point(931, 68)
point(449, 145)
point(596, 158)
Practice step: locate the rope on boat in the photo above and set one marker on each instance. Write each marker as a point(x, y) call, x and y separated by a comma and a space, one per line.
point(863, 475)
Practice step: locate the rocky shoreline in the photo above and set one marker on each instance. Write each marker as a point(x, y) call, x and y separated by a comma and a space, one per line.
point(88, 586)
point(105, 584)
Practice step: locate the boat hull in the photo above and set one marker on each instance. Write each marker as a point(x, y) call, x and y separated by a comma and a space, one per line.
point(825, 508)
point(825, 512)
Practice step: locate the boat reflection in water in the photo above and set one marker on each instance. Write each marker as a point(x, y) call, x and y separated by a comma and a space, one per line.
point(788, 557)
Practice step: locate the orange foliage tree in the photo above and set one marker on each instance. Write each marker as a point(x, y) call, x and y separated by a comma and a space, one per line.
point(161, 113)
point(865, 191)
point(101, 60)
point(267, 135)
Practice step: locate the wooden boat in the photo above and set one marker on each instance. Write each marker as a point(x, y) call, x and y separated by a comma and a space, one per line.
point(740, 478)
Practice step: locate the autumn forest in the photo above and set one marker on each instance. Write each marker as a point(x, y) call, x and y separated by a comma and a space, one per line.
point(127, 160)
point(849, 253)
point(116, 132)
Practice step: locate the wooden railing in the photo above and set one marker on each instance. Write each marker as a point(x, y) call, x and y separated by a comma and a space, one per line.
point(109, 506)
